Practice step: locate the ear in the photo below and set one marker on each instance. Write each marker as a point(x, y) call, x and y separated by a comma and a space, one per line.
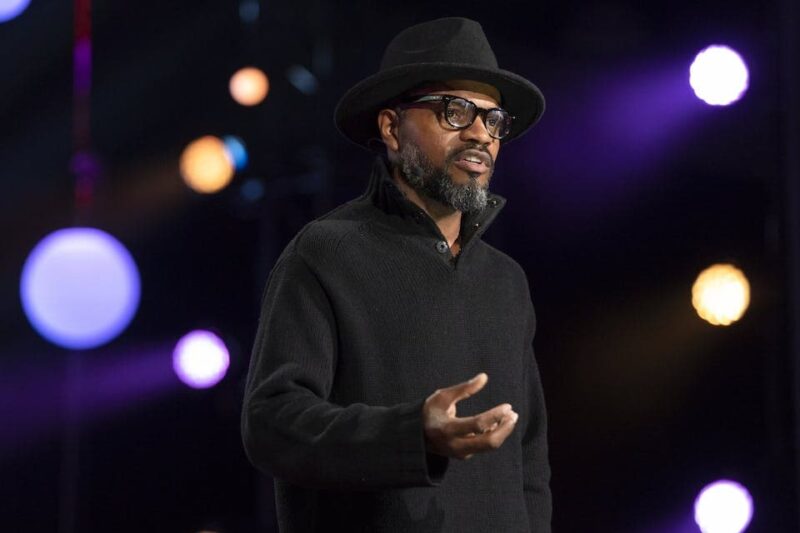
point(388, 123)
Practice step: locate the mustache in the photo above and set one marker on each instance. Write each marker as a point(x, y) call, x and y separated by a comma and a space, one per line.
point(476, 150)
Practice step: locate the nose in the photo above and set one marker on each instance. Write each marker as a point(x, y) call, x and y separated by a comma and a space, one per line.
point(477, 132)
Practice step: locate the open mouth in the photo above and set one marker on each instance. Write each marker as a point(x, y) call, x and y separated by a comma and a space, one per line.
point(473, 161)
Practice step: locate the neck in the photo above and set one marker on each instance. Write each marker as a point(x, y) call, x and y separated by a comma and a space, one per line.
point(447, 219)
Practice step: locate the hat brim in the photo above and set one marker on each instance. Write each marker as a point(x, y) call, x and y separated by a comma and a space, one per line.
point(357, 111)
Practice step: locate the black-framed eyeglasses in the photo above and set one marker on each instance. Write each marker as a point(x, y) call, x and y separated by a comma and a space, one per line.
point(461, 113)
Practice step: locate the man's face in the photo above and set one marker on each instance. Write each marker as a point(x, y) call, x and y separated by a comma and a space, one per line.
point(452, 166)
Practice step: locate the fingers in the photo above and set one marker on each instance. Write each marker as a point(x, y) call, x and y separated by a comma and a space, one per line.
point(463, 448)
point(462, 391)
point(477, 424)
point(448, 435)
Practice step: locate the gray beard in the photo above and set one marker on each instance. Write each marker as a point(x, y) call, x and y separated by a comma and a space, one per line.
point(437, 184)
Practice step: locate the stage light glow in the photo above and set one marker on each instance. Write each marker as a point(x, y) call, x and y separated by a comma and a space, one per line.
point(252, 190)
point(721, 294)
point(10, 9)
point(206, 165)
point(80, 288)
point(236, 150)
point(718, 75)
point(249, 86)
point(200, 359)
point(249, 11)
point(303, 79)
point(723, 507)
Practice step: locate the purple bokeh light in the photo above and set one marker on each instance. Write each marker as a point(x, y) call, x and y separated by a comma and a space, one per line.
point(723, 507)
point(200, 359)
point(719, 75)
point(613, 132)
point(10, 9)
point(77, 389)
point(80, 288)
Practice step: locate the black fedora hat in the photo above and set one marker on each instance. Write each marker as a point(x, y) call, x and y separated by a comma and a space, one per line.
point(439, 50)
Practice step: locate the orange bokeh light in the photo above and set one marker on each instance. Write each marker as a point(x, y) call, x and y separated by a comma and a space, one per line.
point(249, 86)
point(206, 166)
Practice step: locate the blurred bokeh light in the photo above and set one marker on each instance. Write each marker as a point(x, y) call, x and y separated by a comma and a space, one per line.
point(302, 79)
point(723, 507)
point(200, 359)
point(249, 86)
point(237, 152)
point(721, 294)
point(10, 9)
point(249, 10)
point(206, 166)
point(80, 288)
point(718, 75)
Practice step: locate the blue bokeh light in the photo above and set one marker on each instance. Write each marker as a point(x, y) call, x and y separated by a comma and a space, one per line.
point(10, 9)
point(236, 150)
point(252, 190)
point(303, 79)
point(249, 10)
point(80, 288)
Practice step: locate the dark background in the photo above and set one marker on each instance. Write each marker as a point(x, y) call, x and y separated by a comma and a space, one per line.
point(618, 198)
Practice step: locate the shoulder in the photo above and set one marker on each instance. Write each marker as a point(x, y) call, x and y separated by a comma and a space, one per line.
point(511, 283)
point(321, 238)
point(315, 247)
point(509, 280)
point(503, 265)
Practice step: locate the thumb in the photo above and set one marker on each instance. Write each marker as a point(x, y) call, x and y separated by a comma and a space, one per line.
point(464, 390)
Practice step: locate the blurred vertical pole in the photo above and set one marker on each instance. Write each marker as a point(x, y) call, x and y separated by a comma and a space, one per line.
point(790, 128)
point(83, 164)
point(85, 171)
point(68, 497)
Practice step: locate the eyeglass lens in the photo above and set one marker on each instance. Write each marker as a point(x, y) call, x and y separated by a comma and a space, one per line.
point(460, 113)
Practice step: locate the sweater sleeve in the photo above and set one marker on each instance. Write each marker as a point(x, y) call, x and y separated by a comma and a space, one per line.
point(536, 465)
point(289, 427)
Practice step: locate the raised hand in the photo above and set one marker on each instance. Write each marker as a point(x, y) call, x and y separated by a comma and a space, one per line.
point(461, 438)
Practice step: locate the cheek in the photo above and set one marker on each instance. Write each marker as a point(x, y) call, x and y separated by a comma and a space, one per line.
point(437, 149)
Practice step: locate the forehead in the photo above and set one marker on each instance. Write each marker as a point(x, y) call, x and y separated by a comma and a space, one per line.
point(481, 93)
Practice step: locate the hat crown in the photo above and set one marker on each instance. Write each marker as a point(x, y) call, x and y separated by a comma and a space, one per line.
point(446, 40)
point(440, 50)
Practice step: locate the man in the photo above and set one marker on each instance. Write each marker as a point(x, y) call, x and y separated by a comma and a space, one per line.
point(377, 314)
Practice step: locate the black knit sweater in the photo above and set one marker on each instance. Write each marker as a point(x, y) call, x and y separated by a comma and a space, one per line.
point(366, 313)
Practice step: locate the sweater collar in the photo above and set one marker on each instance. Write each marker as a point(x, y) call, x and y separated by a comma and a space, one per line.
point(384, 193)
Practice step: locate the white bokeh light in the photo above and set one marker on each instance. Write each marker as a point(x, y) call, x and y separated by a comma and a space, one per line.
point(10, 9)
point(723, 507)
point(721, 294)
point(80, 288)
point(718, 75)
point(200, 359)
